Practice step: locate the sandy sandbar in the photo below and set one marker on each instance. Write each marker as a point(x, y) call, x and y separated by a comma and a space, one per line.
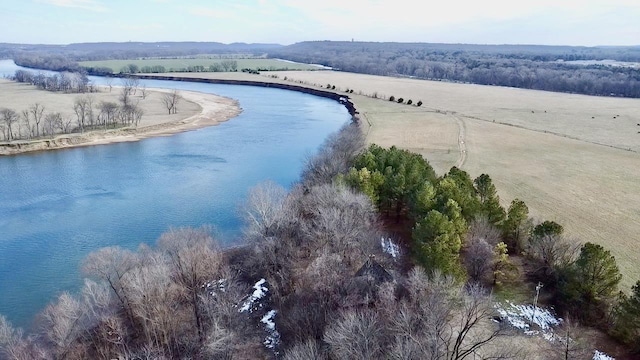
point(214, 110)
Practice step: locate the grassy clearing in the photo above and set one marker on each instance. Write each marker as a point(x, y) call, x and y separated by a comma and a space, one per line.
point(173, 65)
point(538, 146)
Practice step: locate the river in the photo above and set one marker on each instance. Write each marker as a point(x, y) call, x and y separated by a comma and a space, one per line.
point(57, 206)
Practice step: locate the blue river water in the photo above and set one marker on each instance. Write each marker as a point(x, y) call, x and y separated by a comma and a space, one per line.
point(58, 206)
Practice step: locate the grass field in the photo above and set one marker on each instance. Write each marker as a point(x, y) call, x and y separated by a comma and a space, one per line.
point(172, 65)
point(565, 155)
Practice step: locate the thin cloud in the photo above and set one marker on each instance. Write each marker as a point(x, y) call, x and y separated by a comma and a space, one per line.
point(90, 5)
point(212, 13)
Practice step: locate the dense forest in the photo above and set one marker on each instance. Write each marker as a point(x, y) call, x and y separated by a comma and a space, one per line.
point(133, 50)
point(521, 66)
point(322, 277)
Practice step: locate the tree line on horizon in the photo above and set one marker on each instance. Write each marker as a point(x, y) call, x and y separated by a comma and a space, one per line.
point(520, 66)
point(314, 282)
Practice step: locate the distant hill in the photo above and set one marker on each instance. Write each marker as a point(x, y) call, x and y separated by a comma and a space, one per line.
point(320, 49)
point(127, 50)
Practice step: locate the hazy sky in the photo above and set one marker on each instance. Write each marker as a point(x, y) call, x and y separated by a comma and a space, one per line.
point(553, 22)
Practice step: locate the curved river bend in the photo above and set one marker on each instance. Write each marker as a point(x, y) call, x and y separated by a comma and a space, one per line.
point(57, 206)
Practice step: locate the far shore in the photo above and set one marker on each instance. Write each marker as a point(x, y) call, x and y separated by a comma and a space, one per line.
point(209, 109)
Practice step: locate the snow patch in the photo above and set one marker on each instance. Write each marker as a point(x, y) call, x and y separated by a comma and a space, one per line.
point(268, 320)
point(523, 316)
point(213, 287)
point(273, 336)
point(389, 247)
point(598, 355)
point(259, 292)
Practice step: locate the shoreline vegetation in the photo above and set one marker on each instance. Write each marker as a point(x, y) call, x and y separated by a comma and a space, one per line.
point(210, 110)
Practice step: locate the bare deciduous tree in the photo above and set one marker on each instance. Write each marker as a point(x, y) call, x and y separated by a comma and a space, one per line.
point(83, 108)
point(334, 157)
point(13, 345)
point(478, 258)
point(153, 300)
point(305, 351)
point(111, 264)
point(170, 101)
point(108, 111)
point(569, 343)
point(52, 121)
point(229, 65)
point(26, 116)
point(263, 210)
point(481, 228)
point(9, 118)
point(61, 324)
point(356, 335)
point(440, 320)
point(37, 110)
point(109, 83)
point(124, 96)
point(470, 334)
point(342, 220)
point(196, 260)
point(130, 84)
point(552, 252)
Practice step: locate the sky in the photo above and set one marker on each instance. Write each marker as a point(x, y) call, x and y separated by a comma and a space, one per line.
point(548, 22)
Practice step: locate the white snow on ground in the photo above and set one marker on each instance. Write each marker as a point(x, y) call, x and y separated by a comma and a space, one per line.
point(598, 355)
point(215, 286)
point(273, 336)
point(389, 247)
point(258, 293)
point(268, 320)
point(524, 317)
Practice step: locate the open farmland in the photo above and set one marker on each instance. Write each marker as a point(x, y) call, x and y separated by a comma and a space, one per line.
point(572, 158)
point(182, 64)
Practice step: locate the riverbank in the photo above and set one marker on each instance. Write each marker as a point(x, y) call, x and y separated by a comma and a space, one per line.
point(197, 110)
